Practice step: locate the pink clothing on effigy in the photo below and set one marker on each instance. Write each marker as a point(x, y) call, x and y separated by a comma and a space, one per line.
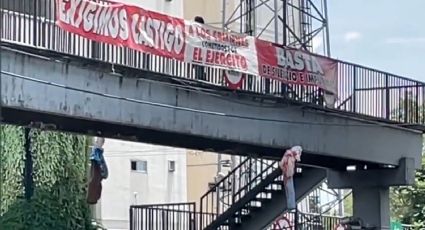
point(287, 164)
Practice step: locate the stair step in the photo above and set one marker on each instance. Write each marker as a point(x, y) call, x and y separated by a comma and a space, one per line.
point(274, 187)
point(264, 194)
point(274, 190)
point(263, 199)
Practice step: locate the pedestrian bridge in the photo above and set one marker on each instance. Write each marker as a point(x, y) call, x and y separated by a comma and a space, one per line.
point(78, 85)
point(54, 79)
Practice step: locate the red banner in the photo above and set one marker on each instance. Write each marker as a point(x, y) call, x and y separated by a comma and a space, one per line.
point(294, 66)
point(166, 36)
point(124, 25)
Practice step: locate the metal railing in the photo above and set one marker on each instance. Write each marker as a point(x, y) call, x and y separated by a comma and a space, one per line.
point(233, 187)
point(305, 221)
point(178, 216)
point(361, 90)
point(184, 216)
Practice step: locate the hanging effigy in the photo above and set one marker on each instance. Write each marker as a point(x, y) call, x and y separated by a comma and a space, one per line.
point(287, 164)
point(98, 171)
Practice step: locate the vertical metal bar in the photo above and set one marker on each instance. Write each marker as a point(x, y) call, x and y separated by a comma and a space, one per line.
point(406, 102)
point(131, 227)
point(34, 19)
point(387, 97)
point(328, 40)
point(201, 210)
point(416, 103)
point(354, 89)
point(28, 170)
point(285, 22)
point(1, 102)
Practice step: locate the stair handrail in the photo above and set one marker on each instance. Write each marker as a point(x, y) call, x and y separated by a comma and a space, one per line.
point(214, 200)
point(213, 188)
point(256, 177)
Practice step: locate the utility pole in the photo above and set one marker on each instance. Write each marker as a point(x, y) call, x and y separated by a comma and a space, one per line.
point(28, 170)
point(1, 114)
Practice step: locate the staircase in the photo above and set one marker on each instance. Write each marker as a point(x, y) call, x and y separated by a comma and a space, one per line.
point(250, 197)
point(253, 201)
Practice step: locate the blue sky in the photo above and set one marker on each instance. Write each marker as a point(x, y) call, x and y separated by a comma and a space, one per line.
point(388, 35)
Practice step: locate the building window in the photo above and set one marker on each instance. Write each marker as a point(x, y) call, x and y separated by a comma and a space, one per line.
point(139, 166)
point(171, 166)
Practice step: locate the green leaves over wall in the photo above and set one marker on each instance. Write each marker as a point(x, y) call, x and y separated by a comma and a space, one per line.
point(60, 178)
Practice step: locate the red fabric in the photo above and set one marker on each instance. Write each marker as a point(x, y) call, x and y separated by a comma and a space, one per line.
point(95, 184)
point(287, 164)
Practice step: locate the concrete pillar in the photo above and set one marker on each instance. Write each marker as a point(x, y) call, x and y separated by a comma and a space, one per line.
point(372, 206)
point(371, 199)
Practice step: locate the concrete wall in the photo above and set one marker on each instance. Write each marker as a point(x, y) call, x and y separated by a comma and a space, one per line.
point(125, 187)
point(202, 168)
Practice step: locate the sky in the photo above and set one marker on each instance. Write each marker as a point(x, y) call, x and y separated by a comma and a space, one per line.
point(387, 35)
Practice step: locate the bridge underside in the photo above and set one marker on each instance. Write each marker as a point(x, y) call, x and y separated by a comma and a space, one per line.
point(83, 96)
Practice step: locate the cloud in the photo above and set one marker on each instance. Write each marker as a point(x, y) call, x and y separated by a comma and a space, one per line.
point(405, 40)
point(352, 36)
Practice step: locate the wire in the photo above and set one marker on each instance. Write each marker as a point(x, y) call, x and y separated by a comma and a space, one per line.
point(189, 109)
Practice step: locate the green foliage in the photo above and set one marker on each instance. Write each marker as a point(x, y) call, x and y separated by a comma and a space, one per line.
point(408, 203)
point(11, 165)
point(60, 169)
point(348, 203)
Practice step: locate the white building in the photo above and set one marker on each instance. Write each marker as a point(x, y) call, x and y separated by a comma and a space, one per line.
point(139, 174)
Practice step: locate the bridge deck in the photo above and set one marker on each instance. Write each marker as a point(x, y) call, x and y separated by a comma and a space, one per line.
point(83, 96)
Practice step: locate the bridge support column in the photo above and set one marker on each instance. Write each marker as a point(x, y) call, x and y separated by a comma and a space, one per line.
point(372, 206)
point(370, 188)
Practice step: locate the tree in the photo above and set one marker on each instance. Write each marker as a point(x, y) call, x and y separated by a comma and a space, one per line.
point(60, 175)
point(408, 203)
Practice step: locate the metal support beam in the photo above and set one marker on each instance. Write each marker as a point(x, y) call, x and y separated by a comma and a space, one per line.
point(404, 174)
point(293, 21)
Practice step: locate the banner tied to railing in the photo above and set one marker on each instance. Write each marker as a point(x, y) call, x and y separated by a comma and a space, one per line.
point(183, 40)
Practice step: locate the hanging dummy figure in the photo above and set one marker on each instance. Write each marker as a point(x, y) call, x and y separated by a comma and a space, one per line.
point(287, 165)
point(98, 171)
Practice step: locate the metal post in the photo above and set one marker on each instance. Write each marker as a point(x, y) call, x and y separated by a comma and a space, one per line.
point(285, 21)
point(328, 40)
point(28, 170)
point(34, 33)
point(340, 203)
point(223, 14)
point(1, 103)
point(219, 157)
point(276, 22)
point(131, 218)
point(387, 97)
point(353, 106)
